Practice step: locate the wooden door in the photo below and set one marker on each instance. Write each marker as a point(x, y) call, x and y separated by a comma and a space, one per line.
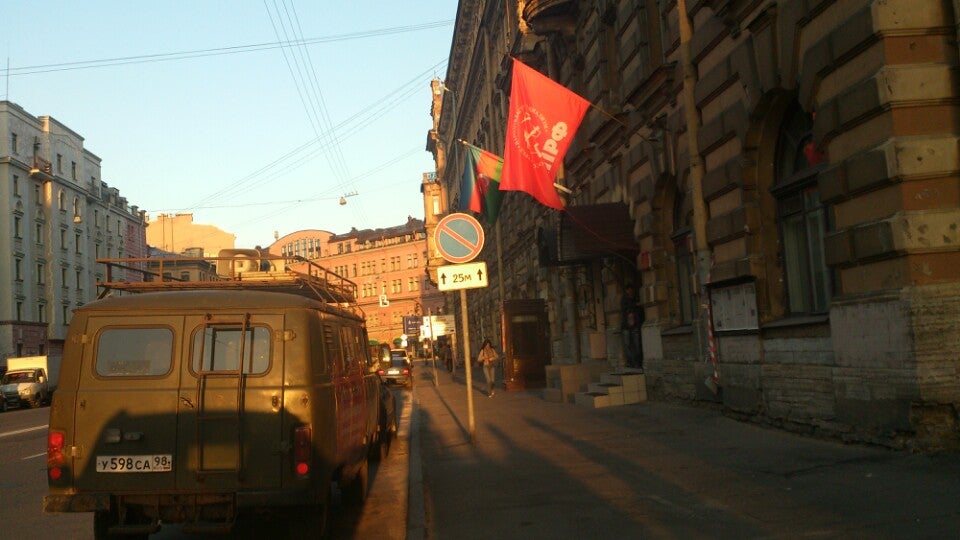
point(526, 343)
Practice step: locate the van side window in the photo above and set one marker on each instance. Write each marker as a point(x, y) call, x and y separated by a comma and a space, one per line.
point(221, 348)
point(331, 337)
point(352, 350)
point(134, 352)
point(319, 346)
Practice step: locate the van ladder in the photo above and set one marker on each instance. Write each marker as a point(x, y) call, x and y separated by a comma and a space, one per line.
point(206, 418)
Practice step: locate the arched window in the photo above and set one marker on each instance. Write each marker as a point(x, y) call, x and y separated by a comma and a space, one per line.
point(801, 216)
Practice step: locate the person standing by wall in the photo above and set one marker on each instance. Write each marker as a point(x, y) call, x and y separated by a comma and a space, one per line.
point(488, 360)
point(631, 319)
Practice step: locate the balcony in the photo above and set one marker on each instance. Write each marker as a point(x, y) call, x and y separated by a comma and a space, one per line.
point(41, 169)
point(545, 16)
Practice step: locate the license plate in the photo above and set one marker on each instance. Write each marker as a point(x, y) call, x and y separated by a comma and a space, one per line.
point(393, 372)
point(135, 464)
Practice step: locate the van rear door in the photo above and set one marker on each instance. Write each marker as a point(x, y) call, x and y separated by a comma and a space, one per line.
point(229, 427)
point(125, 421)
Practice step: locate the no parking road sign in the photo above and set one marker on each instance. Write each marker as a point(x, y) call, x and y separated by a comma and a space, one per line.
point(459, 238)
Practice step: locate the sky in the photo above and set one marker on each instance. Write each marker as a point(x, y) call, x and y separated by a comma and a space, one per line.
point(195, 107)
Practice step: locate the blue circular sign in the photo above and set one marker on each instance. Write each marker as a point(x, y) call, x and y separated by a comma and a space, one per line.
point(459, 238)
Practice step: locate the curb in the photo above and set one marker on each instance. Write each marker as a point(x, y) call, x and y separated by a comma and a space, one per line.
point(416, 518)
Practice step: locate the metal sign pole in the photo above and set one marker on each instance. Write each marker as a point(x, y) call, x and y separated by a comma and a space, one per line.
point(433, 347)
point(467, 362)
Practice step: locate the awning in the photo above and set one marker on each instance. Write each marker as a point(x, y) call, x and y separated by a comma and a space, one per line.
point(596, 230)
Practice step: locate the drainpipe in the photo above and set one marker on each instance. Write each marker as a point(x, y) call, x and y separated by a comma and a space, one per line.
point(691, 112)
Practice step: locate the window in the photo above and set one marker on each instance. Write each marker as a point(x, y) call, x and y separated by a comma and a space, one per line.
point(73, 170)
point(184, 276)
point(36, 195)
point(65, 314)
point(13, 143)
point(683, 256)
point(134, 352)
point(801, 217)
point(60, 203)
point(59, 163)
point(41, 313)
point(219, 348)
point(76, 207)
point(77, 243)
point(16, 185)
point(19, 318)
point(78, 280)
point(63, 277)
point(63, 239)
point(38, 229)
point(18, 269)
point(40, 274)
point(16, 227)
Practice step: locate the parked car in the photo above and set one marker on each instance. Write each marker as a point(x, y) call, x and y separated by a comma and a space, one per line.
point(398, 370)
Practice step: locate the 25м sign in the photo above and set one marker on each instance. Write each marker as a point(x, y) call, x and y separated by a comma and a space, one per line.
point(453, 277)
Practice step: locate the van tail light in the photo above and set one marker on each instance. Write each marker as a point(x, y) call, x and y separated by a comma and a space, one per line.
point(302, 450)
point(55, 456)
point(406, 371)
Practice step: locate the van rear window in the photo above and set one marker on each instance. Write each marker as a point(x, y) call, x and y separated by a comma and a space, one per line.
point(220, 347)
point(134, 352)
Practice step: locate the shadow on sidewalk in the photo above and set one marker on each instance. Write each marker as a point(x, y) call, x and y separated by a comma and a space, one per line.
point(546, 470)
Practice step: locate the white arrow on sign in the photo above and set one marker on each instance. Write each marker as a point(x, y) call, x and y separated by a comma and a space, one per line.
point(454, 277)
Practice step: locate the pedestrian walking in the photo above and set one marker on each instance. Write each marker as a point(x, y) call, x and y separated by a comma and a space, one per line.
point(448, 356)
point(631, 319)
point(488, 360)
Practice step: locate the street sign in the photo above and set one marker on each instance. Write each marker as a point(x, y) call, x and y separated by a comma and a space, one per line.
point(459, 238)
point(411, 325)
point(454, 277)
point(438, 325)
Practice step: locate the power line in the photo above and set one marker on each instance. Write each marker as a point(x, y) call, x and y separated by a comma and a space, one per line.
point(303, 153)
point(218, 51)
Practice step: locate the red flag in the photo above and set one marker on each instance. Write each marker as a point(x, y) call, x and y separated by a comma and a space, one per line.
point(543, 118)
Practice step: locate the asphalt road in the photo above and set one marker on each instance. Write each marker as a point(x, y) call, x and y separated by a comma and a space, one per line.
point(23, 484)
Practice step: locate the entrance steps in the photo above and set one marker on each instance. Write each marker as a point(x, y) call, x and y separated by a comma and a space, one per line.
point(623, 387)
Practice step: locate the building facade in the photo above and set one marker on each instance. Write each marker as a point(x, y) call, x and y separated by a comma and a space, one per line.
point(58, 217)
point(387, 265)
point(780, 181)
point(176, 233)
point(166, 266)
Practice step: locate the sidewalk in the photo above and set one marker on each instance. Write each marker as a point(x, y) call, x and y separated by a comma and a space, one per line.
point(540, 469)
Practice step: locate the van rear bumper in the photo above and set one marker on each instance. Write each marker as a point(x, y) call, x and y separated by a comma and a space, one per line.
point(92, 502)
point(82, 502)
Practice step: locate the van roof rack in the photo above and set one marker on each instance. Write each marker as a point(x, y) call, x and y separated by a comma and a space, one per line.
point(232, 269)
